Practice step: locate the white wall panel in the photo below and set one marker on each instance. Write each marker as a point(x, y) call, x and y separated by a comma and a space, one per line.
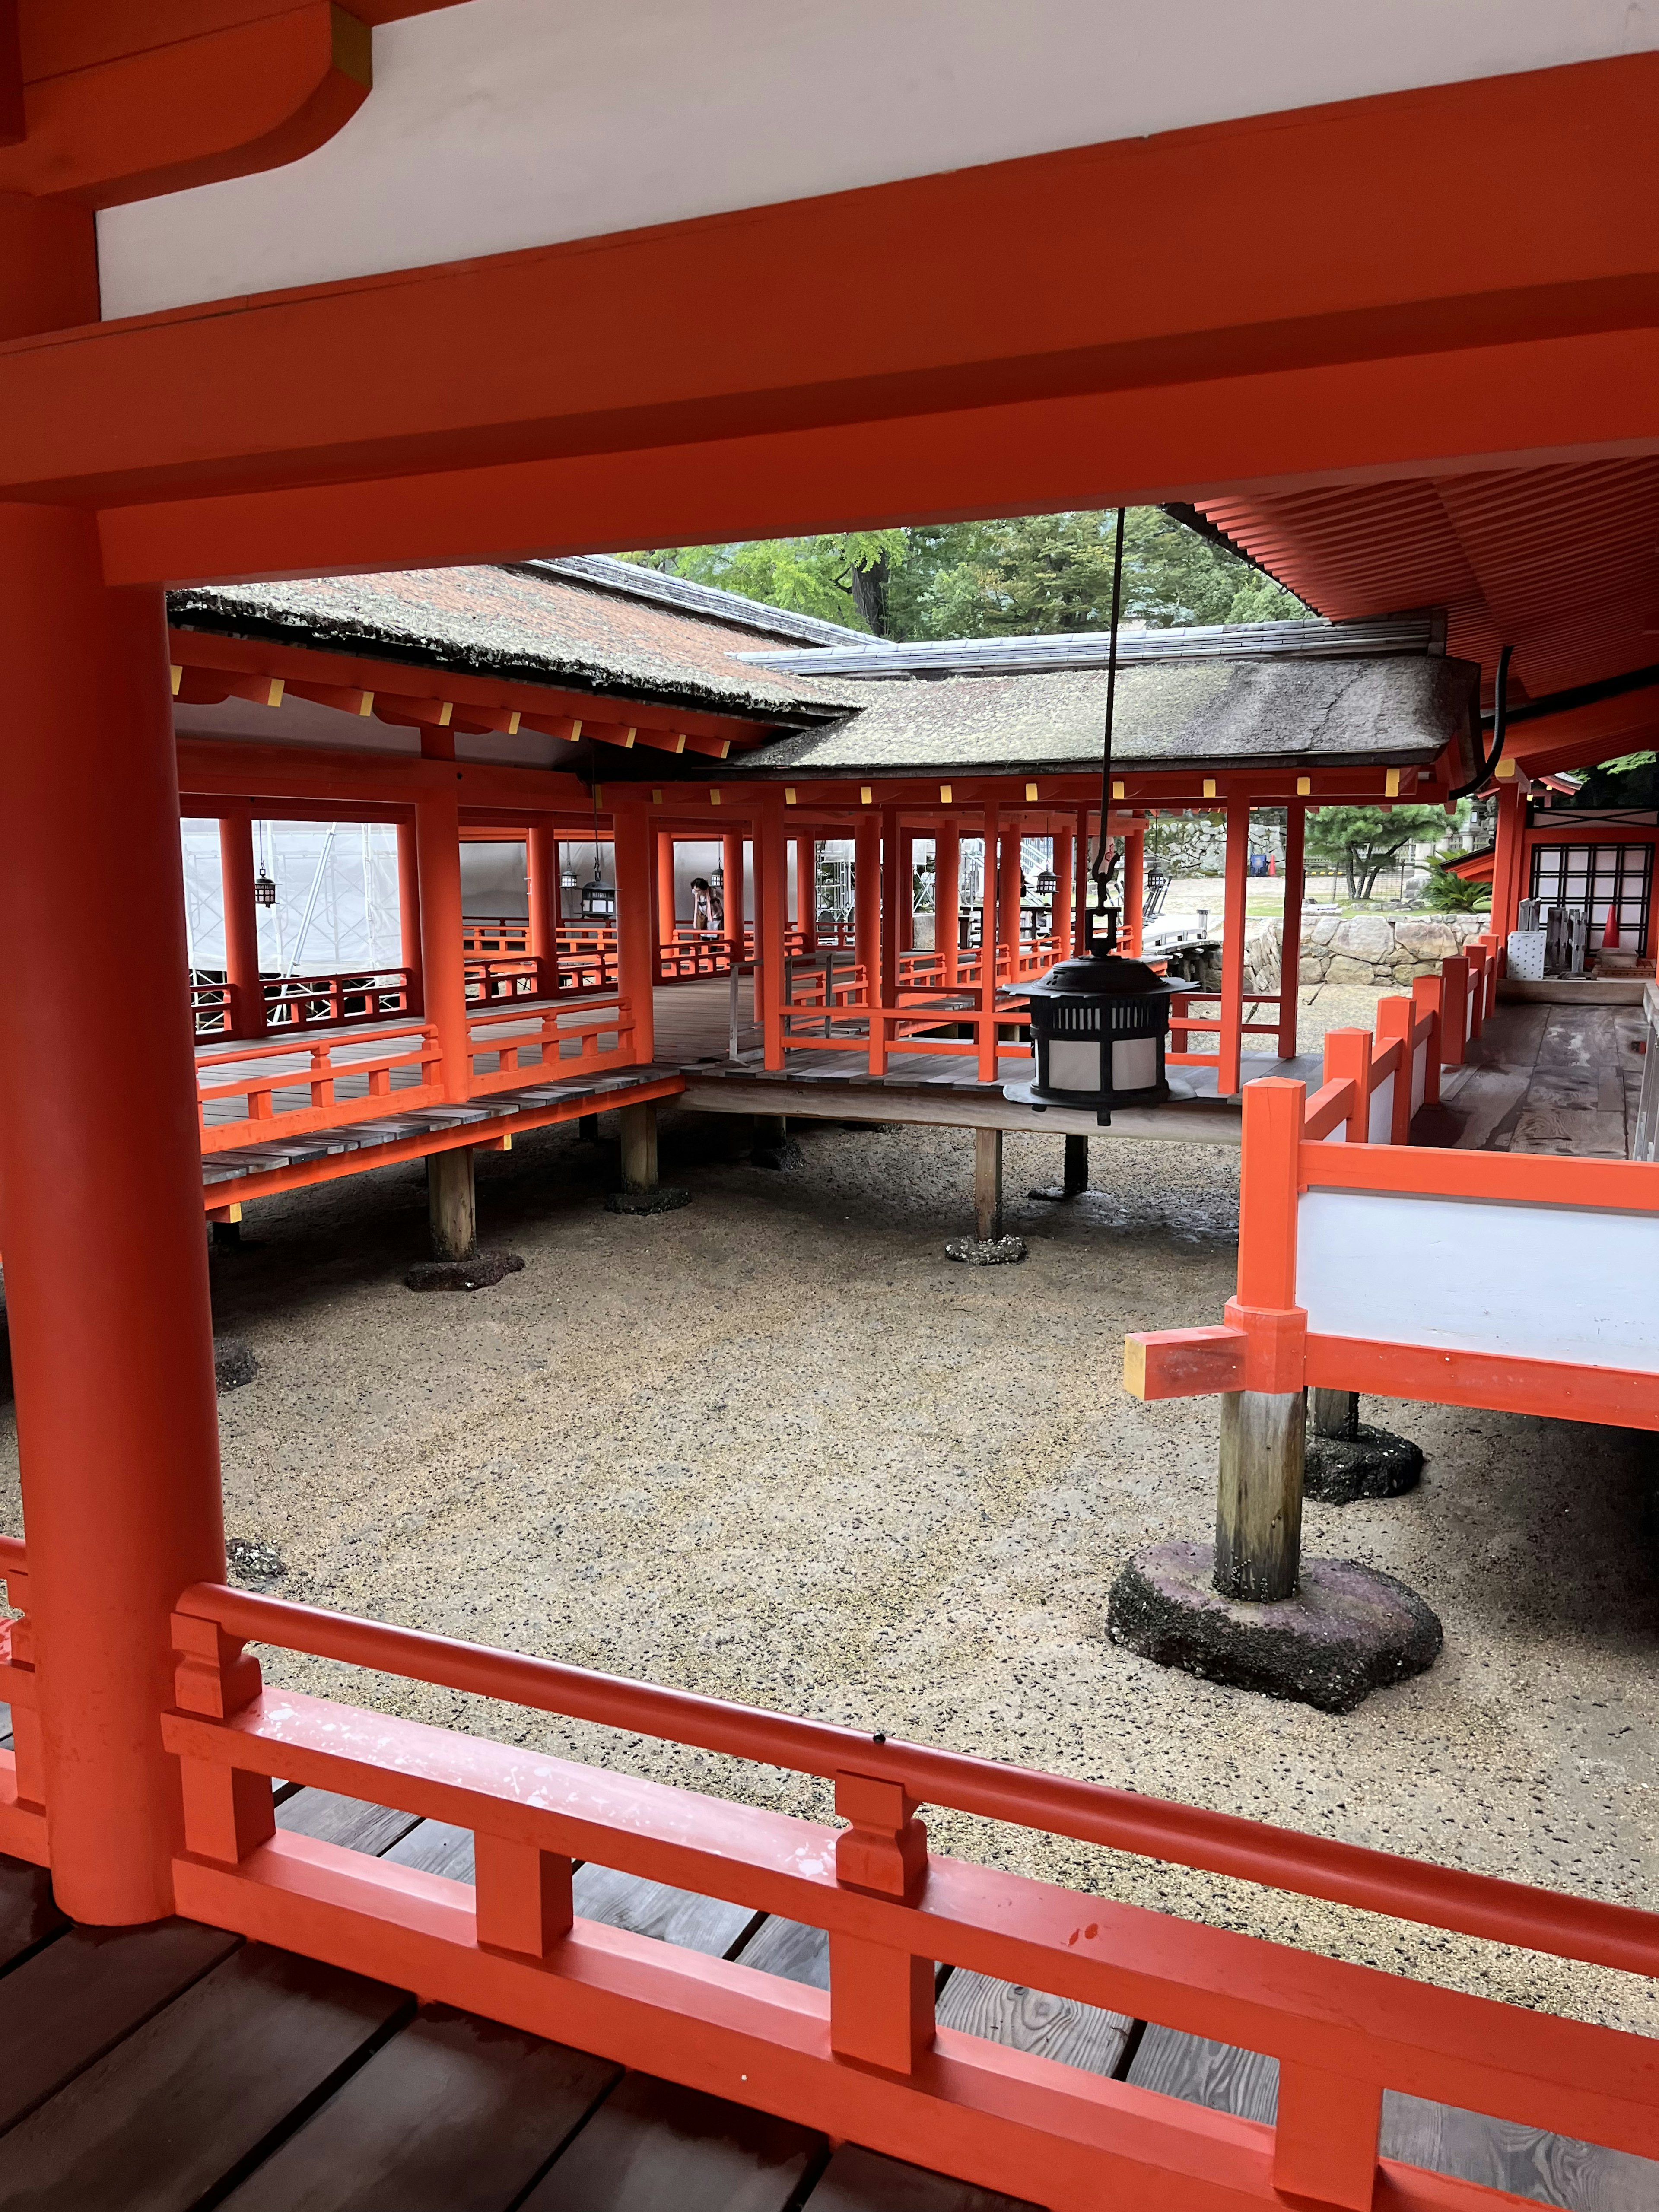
point(1380, 1126)
point(504, 124)
point(1538, 1282)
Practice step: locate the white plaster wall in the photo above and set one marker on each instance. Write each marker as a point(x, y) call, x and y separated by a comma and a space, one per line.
point(1380, 1126)
point(1419, 1075)
point(1539, 1282)
point(505, 123)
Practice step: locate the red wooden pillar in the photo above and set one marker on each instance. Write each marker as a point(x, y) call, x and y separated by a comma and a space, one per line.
point(667, 917)
point(1509, 848)
point(636, 929)
point(771, 917)
point(947, 897)
point(1231, 1040)
point(247, 994)
point(1289, 951)
point(893, 902)
point(1080, 909)
point(443, 957)
point(806, 891)
point(731, 874)
point(409, 911)
point(1063, 869)
point(866, 902)
point(987, 951)
point(1008, 858)
point(1135, 886)
point(112, 1357)
point(542, 876)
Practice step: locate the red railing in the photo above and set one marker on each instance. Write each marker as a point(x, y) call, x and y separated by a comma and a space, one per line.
point(548, 1046)
point(350, 999)
point(316, 1071)
point(864, 2060)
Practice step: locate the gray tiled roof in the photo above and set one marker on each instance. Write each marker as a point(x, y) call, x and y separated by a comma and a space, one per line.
point(1397, 710)
point(529, 625)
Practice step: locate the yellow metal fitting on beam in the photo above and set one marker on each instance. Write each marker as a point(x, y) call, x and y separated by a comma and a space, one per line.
point(1209, 787)
point(1030, 791)
point(1118, 790)
point(864, 794)
point(1391, 784)
point(788, 794)
point(945, 794)
point(1305, 786)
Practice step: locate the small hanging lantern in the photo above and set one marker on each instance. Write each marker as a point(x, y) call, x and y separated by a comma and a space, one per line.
point(264, 890)
point(1046, 884)
point(1099, 1026)
point(598, 901)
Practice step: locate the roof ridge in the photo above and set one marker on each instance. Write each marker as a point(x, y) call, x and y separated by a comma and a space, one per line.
point(630, 577)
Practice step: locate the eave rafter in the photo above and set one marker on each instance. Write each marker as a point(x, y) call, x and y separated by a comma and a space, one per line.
point(209, 669)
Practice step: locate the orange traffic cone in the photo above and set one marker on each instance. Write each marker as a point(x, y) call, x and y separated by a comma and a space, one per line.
point(1610, 934)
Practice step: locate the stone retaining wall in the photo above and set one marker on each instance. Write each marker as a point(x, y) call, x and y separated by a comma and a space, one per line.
point(1382, 950)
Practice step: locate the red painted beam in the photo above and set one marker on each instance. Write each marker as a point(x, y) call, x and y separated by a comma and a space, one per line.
point(1183, 1363)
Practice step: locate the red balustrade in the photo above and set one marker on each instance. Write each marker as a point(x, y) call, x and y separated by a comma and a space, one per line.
point(260, 1074)
point(547, 1046)
point(350, 999)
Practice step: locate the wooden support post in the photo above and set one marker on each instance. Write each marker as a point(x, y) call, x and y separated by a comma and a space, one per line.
point(806, 891)
point(947, 899)
point(443, 962)
point(1230, 1040)
point(113, 1362)
point(881, 2001)
point(988, 1185)
point(409, 912)
point(636, 950)
point(1334, 1414)
point(588, 1128)
point(731, 892)
point(1509, 853)
point(666, 916)
point(866, 902)
point(1010, 847)
point(1290, 947)
point(638, 1125)
point(1075, 1180)
point(1135, 886)
point(986, 1027)
point(771, 890)
point(245, 986)
point(893, 902)
point(1426, 991)
point(542, 877)
point(1258, 1526)
point(452, 1203)
point(1064, 870)
point(1080, 907)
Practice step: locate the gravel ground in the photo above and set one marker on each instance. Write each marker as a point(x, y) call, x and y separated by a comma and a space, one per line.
point(777, 1447)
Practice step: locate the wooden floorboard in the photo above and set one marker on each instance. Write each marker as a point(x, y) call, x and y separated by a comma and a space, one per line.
point(655, 2146)
point(1213, 2074)
point(27, 1915)
point(858, 2180)
point(652, 1908)
point(348, 1821)
point(199, 2091)
point(1060, 2028)
point(78, 1996)
point(1499, 2154)
point(790, 1949)
point(455, 2114)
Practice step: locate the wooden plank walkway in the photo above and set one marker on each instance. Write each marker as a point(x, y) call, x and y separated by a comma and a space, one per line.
point(692, 1025)
point(1560, 1079)
point(155, 2069)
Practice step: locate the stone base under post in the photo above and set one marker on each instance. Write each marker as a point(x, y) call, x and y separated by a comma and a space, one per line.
point(640, 1191)
point(988, 1247)
point(456, 1263)
point(1251, 1612)
point(1347, 1459)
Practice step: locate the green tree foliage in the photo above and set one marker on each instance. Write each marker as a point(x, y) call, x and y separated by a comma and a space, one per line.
point(826, 576)
point(1445, 893)
point(1032, 576)
point(1363, 840)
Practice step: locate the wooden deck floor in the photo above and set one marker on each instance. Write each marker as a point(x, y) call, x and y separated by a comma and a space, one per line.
point(164, 2068)
point(693, 1025)
point(1563, 1080)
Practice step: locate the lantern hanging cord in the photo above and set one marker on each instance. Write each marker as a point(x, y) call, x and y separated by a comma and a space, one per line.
point(1500, 723)
point(1101, 870)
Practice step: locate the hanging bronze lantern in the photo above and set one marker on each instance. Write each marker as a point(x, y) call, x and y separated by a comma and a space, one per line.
point(264, 890)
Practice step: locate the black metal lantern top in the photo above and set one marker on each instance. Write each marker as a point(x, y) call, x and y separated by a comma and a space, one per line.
point(1046, 884)
point(264, 890)
point(1098, 1024)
